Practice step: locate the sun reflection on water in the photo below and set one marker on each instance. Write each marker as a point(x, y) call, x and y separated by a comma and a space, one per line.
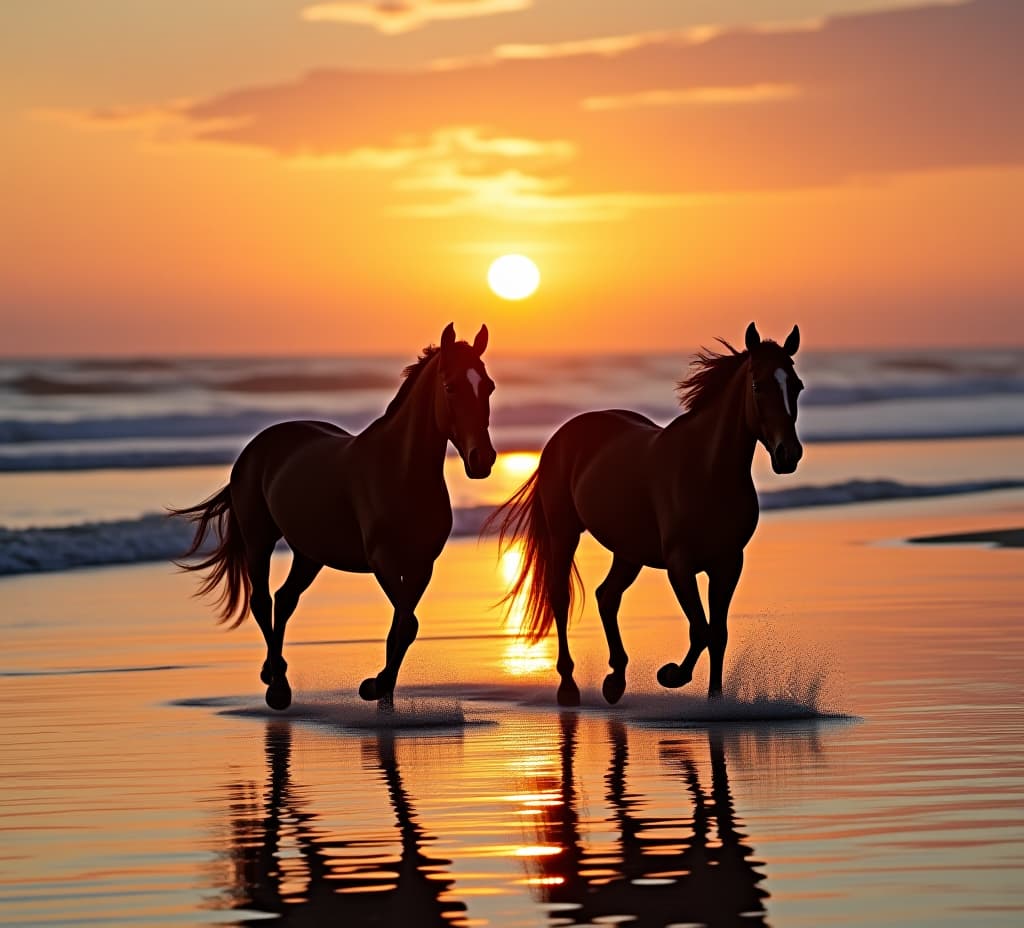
point(519, 464)
point(538, 850)
point(521, 658)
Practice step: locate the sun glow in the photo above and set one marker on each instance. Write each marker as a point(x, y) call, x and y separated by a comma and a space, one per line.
point(513, 277)
point(519, 464)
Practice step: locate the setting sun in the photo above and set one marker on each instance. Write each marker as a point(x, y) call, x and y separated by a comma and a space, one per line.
point(513, 277)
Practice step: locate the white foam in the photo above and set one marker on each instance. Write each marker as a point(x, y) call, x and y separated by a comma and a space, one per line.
point(154, 537)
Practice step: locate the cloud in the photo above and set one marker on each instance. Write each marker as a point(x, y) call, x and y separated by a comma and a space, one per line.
point(616, 44)
point(149, 119)
point(695, 96)
point(638, 122)
point(395, 16)
point(462, 171)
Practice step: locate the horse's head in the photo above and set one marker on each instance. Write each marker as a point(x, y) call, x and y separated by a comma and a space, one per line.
point(772, 398)
point(464, 407)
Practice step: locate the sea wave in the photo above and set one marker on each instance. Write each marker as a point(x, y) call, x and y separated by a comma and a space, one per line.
point(155, 537)
point(203, 451)
point(238, 423)
point(138, 413)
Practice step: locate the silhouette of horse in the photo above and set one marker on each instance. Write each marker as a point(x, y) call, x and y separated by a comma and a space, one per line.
point(678, 498)
point(374, 502)
point(692, 869)
point(344, 881)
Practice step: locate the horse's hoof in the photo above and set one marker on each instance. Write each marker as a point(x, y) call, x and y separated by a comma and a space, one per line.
point(267, 671)
point(568, 695)
point(368, 689)
point(279, 694)
point(613, 687)
point(672, 676)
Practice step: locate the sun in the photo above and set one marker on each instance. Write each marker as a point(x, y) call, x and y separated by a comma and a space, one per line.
point(513, 277)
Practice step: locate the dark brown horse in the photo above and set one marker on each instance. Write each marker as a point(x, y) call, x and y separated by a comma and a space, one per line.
point(375, 502)
point(678, 498)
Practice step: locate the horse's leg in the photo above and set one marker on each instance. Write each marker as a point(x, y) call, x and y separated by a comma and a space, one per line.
point(609, 597)
point(563, 550)
point(260, 603)
point(684, 584)
point(302, 573)
point(404, 588)
point(722, 580)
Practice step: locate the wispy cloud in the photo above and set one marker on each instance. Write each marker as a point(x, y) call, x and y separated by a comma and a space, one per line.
point(613, 45)
point(461, 171)
point(696, 96)
point(644, 121)
point(144, 118)
point(520, 179)
point(395, 16)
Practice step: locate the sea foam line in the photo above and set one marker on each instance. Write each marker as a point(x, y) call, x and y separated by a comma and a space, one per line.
point(155, 537)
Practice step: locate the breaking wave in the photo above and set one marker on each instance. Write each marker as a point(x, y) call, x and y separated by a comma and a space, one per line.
point(155, 537)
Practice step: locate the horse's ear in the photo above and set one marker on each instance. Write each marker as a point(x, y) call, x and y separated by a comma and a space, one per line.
point(752, 338)
point(480, 342)
point(448, 336)
point(792, 341)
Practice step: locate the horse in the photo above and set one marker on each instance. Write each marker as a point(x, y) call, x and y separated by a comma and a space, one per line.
point(375, 503)
point(679, 498)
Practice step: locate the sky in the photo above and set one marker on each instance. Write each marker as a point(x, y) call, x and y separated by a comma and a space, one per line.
point(304, 177)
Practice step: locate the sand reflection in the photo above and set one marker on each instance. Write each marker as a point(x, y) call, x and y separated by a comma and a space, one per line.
point(286, 862)
point(693, 868)
point(591, 820)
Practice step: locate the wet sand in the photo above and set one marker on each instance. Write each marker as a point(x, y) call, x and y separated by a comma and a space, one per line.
point(143, 781)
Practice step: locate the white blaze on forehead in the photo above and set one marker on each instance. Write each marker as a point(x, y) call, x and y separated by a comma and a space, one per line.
point(781, 377)
point(475, 380)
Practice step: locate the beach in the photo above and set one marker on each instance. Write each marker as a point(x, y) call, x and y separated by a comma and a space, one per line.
point(299, 270)
point(865, 766)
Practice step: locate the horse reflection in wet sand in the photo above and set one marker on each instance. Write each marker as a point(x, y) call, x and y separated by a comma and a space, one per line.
point(286, 862)
point(661, 877)
point(375, 502)
point(679, 498)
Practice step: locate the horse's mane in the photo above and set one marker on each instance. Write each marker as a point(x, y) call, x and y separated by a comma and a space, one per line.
point(711, 371)
point(410, 375)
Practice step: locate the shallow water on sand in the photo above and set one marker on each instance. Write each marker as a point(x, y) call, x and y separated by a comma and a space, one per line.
point(143, 782)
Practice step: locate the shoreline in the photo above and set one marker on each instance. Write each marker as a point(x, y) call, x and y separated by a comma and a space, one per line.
point(145, 776)
point(992, 537)
point(154, 538)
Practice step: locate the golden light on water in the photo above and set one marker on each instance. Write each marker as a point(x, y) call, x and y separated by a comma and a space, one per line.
point(521, 658)
point(538, 850)
point(534, 799)
point(511, 563)
point(519, 464)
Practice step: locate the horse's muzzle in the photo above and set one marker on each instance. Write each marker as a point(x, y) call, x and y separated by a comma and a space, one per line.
point(786, 456)
point(479, 462)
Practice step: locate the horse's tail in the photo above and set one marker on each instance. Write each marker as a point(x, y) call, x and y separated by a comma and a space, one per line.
point(225, 571)
point(521, 521)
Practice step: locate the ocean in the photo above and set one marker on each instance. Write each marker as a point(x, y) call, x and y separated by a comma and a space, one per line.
point(93, 450)
point(864, 768)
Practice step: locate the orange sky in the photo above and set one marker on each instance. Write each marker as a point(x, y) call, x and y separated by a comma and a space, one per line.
point(330, 177)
